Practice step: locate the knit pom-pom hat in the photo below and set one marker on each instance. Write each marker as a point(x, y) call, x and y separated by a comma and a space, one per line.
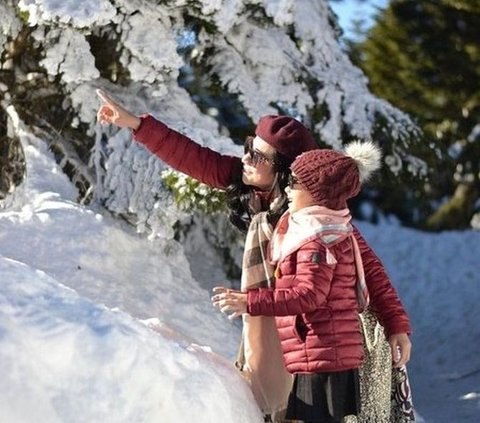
point(286, 134)
point(333, 177)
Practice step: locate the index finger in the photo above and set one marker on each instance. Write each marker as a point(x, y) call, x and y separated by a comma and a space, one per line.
point(104, 96)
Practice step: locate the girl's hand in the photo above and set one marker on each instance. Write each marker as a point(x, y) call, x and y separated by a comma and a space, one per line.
point(230, 301)
point(401, 349)
point(112, 112)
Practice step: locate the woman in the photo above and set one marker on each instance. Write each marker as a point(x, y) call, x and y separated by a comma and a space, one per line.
point(319, 285)
point(256, 183)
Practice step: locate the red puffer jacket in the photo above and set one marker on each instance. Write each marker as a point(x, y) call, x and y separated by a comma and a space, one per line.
point(218, 171)
point(316, 309)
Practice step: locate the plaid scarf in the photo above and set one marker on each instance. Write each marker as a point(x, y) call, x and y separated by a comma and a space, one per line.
point(330, 227)
point(257, 272)
point(260, 358)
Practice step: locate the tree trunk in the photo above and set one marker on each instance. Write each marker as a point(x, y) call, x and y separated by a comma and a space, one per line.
point(457, 212)
point(12, 160)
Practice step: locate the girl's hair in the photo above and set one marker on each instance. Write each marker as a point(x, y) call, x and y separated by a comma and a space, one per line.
point(238, 195)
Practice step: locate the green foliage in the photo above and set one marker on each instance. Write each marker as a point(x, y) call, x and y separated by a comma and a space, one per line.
point(23, 15)
point(191, 195)
point(424, 57)
point(466, 5)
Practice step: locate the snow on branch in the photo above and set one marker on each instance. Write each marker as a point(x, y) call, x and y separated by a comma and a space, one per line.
point(256, 63)
point(344, 87)
point(149, 46)
point(67, 54)
point(10, 25)
point(80, 14)
point(266, 66)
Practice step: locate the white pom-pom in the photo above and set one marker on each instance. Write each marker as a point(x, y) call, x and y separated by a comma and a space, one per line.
point(367, 156)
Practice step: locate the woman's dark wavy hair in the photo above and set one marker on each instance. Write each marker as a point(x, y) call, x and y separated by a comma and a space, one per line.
point(238, 195)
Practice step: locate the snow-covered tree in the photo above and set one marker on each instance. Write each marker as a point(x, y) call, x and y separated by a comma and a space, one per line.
point(209, 68)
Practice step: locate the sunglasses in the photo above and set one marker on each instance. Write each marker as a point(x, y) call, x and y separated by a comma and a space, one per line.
point(254, 157)
point(292, 181)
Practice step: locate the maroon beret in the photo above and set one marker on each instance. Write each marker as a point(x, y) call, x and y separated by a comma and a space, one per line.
point(286, 134)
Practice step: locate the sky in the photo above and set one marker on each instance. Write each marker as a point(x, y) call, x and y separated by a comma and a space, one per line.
point(349, 10)
point(100, 323)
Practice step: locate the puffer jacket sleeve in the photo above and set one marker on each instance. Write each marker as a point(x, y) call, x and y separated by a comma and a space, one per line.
point(185, 155)
point(384, 300)
point(311, 286)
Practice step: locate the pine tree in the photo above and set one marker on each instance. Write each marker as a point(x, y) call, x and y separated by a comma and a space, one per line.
point(424, 57)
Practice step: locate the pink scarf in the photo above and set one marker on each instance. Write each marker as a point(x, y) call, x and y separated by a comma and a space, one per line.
point(318, 222)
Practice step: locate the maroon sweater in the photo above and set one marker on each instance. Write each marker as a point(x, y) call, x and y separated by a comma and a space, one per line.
point(218, 171)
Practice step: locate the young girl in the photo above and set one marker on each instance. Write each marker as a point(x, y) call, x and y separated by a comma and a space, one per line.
point(319, 284)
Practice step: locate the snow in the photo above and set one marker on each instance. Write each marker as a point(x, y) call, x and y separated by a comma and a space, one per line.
point(68, 55)
point(150, 41)
point(98, 323)
point(66, 359)
point(79, 14)
point(9, 23)
point(437, 278)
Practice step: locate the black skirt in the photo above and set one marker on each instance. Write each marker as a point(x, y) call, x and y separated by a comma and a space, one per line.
point(324, 397)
